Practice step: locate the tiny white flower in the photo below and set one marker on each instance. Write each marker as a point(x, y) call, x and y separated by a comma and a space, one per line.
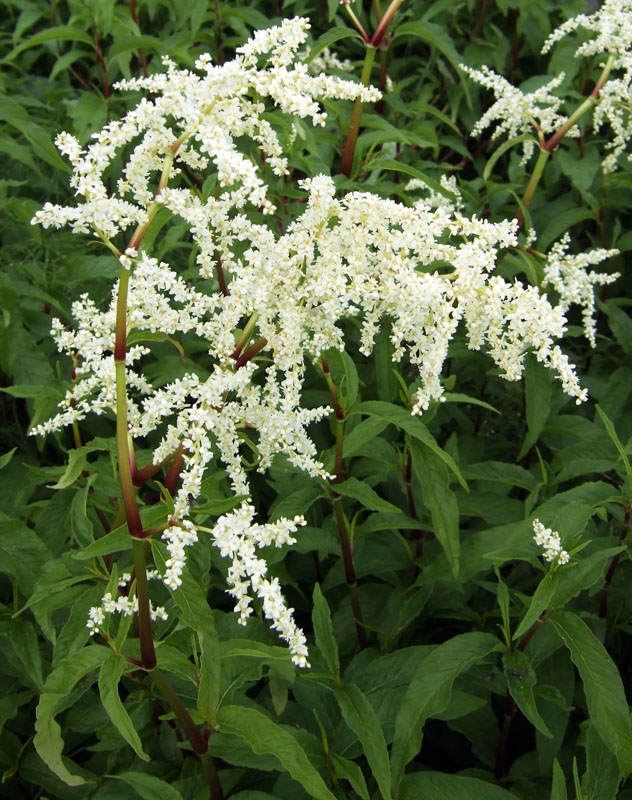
point(550, 541)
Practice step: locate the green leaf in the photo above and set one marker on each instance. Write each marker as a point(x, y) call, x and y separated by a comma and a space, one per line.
point(148, 336)
point(351, 772)
point(267, 737)
point(17, 116)
point(432, 34)
point(401, 418)
point(80, 523)
point(457, 397)
point(219, 506)
point(110, 675)
point(605, 696)
point(247, 648)
point(77, 460)
point(363, 493)
point(119, 539)
point(113, 542)
point(209, 690)
point(540, 601)
point(124, 45)
point(583, 575)
point(360, 716)
point(500, 472)
point(491, 162)
point(362, 434)
point(6, 458)
point(196, 614)
point(10, 703)
point(538, 383)
point(330, 37)
point(440, 501)
point(323, 632)
point(60, 33)
point(560, 223)
point(602, 777)
point(558, 786)
point(428, 785)
point(58, 685)
point(429, 694)
point(434, 186)
point(620, 324)
point(148, 787)
point(521, 679)
point(23, 637)
point(610, 430)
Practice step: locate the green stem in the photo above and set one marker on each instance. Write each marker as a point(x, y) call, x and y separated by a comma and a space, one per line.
point(534, 180)
point(245, 335)
point(198, 741)
point(132, 514)
point(349, 150)
point(355, 20)
point(340, 419)
point(553, 141)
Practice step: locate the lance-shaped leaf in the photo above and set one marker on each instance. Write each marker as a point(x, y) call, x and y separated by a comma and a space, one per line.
point(429, 693)
point(323, 632)
point(359, 715)
point(267, 737)
point(439, 786)
point(521, 679)
point(440, 501)
point(148, 787)
point(58, 685)
point(605, 695)
point(110, 675)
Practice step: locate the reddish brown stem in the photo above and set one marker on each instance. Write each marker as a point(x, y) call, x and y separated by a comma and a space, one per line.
point(141, 52)
point(102, 64)
point(250, 352)
point(219, 271)
point(171, 480)
point(418, 533)
point(510, 705)
point(603, 604)
point(350, 575)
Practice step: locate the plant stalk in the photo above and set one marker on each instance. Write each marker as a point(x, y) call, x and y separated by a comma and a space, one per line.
point(350, 575)
point(198, 741)
point(603, 603)
point(553, 141)
point(346, 162)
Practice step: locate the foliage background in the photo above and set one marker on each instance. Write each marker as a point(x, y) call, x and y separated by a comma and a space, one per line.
point(518, 451)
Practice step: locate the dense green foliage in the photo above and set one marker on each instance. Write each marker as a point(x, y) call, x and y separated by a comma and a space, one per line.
point(479, 670)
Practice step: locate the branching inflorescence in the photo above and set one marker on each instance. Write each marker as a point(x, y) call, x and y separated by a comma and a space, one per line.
point(425, 271)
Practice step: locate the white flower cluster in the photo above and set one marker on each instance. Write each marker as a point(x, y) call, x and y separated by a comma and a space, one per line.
point(201, 117)
point(518, 112)
point(327, 60)
point(125, 605)
point(451, 199)
point(611, 27)
point(567, 274)
point(238, 538)
point(550, 541)
point(423, 270)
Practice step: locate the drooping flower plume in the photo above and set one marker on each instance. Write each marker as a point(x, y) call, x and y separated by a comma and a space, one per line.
point(422, 271)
